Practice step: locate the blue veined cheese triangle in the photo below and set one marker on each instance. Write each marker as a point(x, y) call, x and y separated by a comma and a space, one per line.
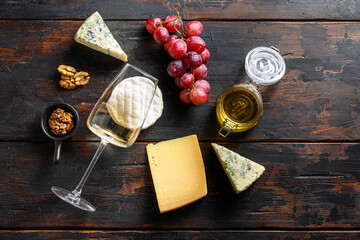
point(242, 172)
point(96, 35)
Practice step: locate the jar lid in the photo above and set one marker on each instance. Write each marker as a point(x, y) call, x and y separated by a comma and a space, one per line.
point(265, 66)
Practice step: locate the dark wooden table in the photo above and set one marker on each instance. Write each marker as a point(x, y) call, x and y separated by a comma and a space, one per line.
point(308, 138)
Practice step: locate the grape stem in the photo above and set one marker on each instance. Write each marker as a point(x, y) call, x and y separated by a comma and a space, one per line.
point(181, 34)
point(166, 22)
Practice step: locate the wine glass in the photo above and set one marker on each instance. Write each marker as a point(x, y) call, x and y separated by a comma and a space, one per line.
point(105, 125)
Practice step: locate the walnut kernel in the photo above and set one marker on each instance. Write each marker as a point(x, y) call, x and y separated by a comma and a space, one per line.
point(61, 122)
point(66, 70)
point(81, 78)
point(67, 82)
point(70, 79)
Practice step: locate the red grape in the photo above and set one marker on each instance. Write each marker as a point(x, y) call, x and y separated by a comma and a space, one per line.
point(177, 49)
point(193, 28)
point(161, 35)
point(172, 24)
point(198, 96)
point(203, 84)
point(195, 43)
point(205, 55)
point(186, 80)
point(177, 82)
point(200, 72)
point(152, 24)
point(169, 42)
point(193, 59)
point(176, 68)
point(189, 50)
point(184, 96)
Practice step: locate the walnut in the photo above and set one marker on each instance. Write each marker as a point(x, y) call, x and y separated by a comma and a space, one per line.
point(66, 70)
point(61, 122)
point(70, 79)
point(81, 78)
point(67, 82)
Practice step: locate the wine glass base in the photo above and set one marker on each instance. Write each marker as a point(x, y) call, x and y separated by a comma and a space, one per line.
point(73, 198)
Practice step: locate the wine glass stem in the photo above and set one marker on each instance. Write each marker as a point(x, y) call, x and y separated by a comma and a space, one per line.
point(96, 156)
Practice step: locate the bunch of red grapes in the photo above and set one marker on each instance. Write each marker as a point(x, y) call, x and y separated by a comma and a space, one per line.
point(188, 50)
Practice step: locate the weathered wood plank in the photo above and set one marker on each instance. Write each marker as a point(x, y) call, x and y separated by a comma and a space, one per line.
point(305, 186)
point(158, 235)
point(316, 100)
point(132, 9)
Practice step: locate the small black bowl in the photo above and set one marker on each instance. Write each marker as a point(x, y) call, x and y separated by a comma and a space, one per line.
point(46, 129)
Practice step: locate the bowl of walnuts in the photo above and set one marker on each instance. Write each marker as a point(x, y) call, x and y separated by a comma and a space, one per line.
point(59, 122)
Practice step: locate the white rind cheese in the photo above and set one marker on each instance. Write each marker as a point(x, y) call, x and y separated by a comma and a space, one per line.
point(96, 35)
point(130, 100)
point(242, 172)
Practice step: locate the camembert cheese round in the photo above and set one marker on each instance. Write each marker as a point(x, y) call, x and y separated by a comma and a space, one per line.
point(129, 101)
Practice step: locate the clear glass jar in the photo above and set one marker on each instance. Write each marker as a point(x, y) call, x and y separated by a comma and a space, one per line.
point(265, 66)
point(239, 108)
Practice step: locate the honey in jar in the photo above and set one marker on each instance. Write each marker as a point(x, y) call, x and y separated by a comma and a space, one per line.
point(239, 108)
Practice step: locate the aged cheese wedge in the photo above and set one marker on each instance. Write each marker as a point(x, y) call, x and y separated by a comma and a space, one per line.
point(129, 101)
point(242, 172)
point(178, 172)
point(95, 34)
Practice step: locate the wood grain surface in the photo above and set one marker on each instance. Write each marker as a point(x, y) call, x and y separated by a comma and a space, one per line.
point(308, 138)
point(316, 100)
point(305, 186)
point(180, 235)
point(200, 9)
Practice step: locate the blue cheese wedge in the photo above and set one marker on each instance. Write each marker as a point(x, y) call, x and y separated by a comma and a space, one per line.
point(242, 172)
point(96, 35)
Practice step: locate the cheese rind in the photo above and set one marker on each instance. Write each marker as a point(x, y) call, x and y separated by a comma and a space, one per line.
point(178, 172)
point(95, 34)
point(129, 102)
point(241, 171)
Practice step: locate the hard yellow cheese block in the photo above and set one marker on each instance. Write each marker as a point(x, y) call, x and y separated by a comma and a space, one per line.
point(178, 172)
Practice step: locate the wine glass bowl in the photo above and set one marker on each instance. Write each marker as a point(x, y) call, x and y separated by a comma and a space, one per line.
point(123, 129)
point(118, 123)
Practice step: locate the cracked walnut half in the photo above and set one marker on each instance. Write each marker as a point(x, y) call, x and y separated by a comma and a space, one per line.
point(66, 70)
point(81, 78)
point(67, 82)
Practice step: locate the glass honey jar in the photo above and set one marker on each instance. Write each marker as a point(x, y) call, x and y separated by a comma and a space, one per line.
point(240, 106)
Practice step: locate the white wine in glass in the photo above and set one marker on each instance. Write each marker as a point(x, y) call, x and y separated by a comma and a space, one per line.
point(118, 123)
